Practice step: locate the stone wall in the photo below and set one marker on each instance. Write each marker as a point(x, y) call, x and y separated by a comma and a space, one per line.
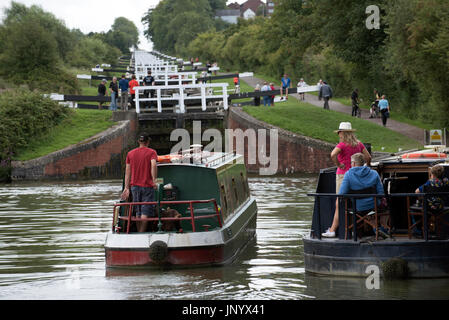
point(296, 153)
point(101, 156)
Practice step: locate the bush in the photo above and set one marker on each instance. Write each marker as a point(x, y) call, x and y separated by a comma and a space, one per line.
point(26, 114)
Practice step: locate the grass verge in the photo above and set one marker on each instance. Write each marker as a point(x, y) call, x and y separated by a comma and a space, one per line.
point(305, 119)
point(82, 125)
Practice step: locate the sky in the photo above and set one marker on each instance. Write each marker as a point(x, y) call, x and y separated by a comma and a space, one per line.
point(95, 15)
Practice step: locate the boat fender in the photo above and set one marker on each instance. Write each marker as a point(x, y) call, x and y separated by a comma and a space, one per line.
point(395, 268)
point(158, 251)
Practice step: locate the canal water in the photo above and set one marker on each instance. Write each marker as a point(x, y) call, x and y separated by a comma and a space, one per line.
point(52, 237)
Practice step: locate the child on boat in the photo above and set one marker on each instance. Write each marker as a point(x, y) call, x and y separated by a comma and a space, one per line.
point(436, 183)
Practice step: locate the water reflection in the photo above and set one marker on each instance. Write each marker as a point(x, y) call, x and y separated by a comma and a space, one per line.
point(52, 237)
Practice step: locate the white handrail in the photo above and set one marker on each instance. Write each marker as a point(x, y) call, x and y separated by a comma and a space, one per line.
point(181, 97)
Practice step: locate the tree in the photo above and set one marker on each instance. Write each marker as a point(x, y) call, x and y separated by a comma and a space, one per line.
point(27, 48)
point(19, 13)
point(123, 34)
point(173, 24)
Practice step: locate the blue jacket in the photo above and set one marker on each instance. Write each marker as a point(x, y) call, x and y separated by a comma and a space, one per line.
point(123, 84)
point(359, 178)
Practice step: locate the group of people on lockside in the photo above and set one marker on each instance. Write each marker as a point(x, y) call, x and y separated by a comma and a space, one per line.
point(268, 100)
point(123, 92)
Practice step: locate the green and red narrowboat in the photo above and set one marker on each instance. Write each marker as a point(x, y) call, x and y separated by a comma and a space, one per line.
point(205, 215)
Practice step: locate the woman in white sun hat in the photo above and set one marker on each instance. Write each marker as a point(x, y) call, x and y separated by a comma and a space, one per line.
point(341, 156)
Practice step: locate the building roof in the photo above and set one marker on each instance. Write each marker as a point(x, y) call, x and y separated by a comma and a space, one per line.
point(229, 12)
point(251, 4)
point(234, 6)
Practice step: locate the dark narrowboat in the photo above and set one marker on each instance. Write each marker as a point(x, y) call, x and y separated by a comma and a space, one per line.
point(416, 243)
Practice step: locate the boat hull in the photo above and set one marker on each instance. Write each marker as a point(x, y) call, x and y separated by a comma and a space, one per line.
point(423, 259)
point(215, 247)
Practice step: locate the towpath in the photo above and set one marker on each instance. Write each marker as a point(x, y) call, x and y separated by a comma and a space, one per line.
point(403, 128)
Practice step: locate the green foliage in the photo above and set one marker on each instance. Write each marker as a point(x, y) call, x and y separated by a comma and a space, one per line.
point(36, 48)
point(55, 28)
point(25, 115)
point(407, 58)
point(90, 51)
point(173, 24)
point(301, 118)
point(123, 35)
point(33, 46)
point(82, 124)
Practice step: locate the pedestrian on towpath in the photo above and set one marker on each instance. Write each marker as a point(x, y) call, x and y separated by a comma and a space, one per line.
point(266, 99)
point(149, 80)
point(123, 85)
point(384, 108)
point(285, 85)
point(113, 87)
point(302, 84)
point(257, 99)
point(326, 94)
point(140, 177)
point(101, 92)
point(272, 88)
point(355, 103)
point(132, 84)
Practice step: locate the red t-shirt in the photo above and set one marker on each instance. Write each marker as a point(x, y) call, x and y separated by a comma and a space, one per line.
point(133, 83)
point(140, 161)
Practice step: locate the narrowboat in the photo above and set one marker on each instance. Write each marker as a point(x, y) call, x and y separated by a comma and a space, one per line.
point(205, 215)
point(416, 241)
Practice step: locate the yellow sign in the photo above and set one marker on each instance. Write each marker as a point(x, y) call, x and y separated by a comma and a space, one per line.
point(436, 136)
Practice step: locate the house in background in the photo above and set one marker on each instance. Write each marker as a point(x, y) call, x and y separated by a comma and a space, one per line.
point(270, 7)
point(230, 15)
point(247, 10)
point(250, 8)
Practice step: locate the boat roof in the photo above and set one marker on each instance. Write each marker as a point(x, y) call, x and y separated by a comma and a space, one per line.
point(204, 159)
point(429, 155)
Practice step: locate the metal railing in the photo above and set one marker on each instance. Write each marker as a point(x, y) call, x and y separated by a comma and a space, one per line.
point(192, 218)
point(354, 197)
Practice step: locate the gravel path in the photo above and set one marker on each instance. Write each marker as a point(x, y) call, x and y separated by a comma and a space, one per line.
point(406, 129)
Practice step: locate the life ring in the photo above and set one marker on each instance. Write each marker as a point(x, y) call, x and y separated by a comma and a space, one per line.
point(424, 155)
point(168, 158)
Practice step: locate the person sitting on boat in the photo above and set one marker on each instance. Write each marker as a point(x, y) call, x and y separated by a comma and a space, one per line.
point(359, 177)
point(140, 174)
point(436, 183)
point(341, 156)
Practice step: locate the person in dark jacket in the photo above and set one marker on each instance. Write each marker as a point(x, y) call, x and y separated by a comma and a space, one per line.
point(101, 92)
point(326, 94)
point(355, 103)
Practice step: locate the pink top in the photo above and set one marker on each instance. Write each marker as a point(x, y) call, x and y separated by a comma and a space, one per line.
point(345, 155)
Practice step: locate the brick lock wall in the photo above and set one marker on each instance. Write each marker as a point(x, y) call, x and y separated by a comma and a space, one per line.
point(295, 153)
point(96, 157)
point(101, 156)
